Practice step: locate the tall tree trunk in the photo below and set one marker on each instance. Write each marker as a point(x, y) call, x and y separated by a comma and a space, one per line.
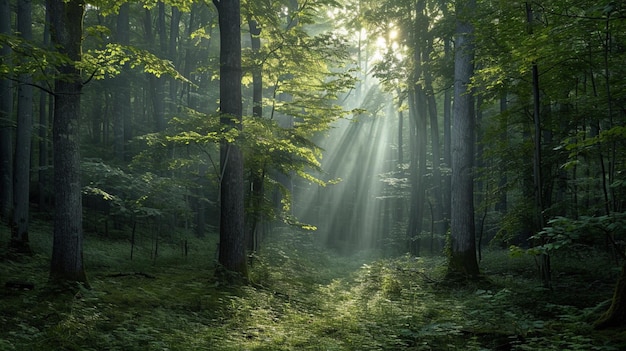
point(172, 53)
point(257, 171)
point(46, 106)
point(121, 92)
point(232, 252)
point(501, 204)
point(544, 258)
point(463, 236)
point(419, 115)
point(156, 85)
point(439, 225)
point(23, 137)
point(6, 123)
point(66, 19)
point(447, 118)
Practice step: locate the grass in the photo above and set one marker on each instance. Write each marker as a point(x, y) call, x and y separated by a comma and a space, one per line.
point(300, 298)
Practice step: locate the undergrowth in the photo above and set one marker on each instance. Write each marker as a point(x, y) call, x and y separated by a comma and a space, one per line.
point(300, 298)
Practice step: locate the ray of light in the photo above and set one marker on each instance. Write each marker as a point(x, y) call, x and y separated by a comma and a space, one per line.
point(350, 215)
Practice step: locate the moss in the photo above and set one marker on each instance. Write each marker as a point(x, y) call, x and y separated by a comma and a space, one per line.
point(615, 316)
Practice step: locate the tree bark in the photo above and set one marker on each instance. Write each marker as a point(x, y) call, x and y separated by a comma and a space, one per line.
point(257, 171)
point(6, 124)
point(46, 107)
point(439, 224)
point(418, 115)
point(121, 93)
point(232, 252)
point(616, 314)
point(544, 258)
point(23, 137)
point(463, 236)
point(66, 19)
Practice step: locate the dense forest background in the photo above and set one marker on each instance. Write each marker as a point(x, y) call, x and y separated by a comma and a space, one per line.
point(243, 135)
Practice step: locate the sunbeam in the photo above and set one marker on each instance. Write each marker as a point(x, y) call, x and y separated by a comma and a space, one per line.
point(351, 215)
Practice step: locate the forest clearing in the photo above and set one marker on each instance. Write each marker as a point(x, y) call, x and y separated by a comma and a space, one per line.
point(303, 298)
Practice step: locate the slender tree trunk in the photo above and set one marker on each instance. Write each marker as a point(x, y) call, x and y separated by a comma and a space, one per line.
point(172, 52)
point(257, 171)
point(6, 123)
point(501, 204)
point(544, 258)
point(21, 175)
point(400, 203)
point(438, 225)
point(66, 19)
point(463, 236)
point(418, 112)
point(447, 118)
point(156, 85)
point(232, 252)
point(46, 106)
point(121, 93)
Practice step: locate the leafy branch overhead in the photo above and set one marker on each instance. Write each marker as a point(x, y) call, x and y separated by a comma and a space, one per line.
point(101, 63)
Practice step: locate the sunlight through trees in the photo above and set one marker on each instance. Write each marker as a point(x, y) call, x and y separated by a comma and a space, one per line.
point(258, 137)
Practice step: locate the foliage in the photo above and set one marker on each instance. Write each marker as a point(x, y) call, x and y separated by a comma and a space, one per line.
point(104, 62)
point(132, 196)
point(301, 298)
point(566, 234)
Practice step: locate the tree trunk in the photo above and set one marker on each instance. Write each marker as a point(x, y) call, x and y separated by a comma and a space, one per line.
point(121, 93)
point(463, 236)
point(156, 85)
point(501, 204)
point(232, 252)
point(544, 258)
point(46, 106)
point(418, 114)
point(257, 171)
point(438, 225)
point(23, 136)
point(172, 52)
point(616, 314)
point(447, 119)
point(66, 19)
point(6, 123)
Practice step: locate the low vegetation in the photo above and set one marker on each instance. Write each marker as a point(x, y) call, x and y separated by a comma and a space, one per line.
point(300, 298)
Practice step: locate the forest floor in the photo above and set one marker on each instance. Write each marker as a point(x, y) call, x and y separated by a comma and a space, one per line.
point(300, 298)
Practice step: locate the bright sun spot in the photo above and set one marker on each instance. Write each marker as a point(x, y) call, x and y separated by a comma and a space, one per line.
point(393, 34)
point(381, 43)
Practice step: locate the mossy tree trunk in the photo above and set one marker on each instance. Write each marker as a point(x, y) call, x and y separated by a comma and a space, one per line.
point(232, 252)
point(66, 19)
point(615, 316)
point(462, 258)
point(6, 123)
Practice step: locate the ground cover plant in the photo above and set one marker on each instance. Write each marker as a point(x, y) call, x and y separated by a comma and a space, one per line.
point(300, 298)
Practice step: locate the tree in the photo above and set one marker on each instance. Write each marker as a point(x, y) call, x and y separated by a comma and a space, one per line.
point(122, 98)
point(538, 181)
point(21, 175)
point(6, 123)
point(616, 314)
point(66, 18)
point(257, 170)
point(462, 232)
point(232, 251)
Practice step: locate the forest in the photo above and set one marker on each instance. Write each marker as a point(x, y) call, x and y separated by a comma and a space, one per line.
point(248, 175)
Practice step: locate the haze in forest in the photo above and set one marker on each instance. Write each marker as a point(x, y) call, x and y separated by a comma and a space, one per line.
point(254, 133)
